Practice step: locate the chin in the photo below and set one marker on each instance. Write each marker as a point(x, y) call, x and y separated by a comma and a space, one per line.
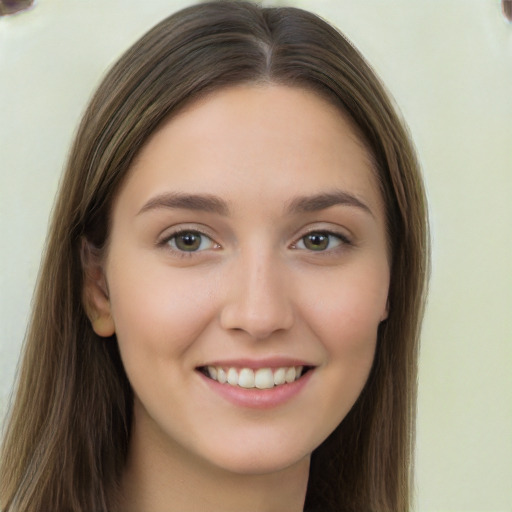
point(260, 457)
point(261, 464)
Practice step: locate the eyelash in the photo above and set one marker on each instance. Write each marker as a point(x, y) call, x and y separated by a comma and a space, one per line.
point(342, 240)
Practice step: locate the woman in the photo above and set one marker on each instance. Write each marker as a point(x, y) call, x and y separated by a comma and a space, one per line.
point(228, 312)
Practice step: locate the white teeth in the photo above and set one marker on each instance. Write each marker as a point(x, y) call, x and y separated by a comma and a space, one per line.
point(221, 375)
point(263, 378)
point(280, 376)
point(232, 377)
point(246, 378)
point(290, 374)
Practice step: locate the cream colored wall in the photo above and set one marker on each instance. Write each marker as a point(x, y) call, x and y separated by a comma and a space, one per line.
point(449, 66)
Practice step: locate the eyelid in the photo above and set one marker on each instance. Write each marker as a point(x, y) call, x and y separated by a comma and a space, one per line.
point(331, 231)
point(182, 227)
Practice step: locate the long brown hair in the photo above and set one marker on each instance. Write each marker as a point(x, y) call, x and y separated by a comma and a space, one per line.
point(67, 436)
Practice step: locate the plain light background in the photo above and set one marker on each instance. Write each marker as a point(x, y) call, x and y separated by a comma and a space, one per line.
point(448, 64)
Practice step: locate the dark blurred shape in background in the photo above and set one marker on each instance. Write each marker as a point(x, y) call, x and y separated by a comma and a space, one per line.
point(507, 9)
point(14, 6)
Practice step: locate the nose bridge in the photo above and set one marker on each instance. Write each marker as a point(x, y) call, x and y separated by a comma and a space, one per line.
point(258, 300)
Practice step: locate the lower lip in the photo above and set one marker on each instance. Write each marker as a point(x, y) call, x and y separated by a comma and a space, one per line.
point(258, 398)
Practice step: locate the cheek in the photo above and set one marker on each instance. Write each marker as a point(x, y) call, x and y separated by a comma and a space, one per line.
point(347, 313)
point(160, 309)
point(346, 322)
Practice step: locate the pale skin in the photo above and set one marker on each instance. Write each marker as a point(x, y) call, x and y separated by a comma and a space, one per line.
point(282, 257)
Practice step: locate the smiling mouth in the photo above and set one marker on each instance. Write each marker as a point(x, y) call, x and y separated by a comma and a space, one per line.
point(262, 378)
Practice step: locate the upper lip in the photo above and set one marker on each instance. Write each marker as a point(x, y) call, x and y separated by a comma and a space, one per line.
point(269, 362)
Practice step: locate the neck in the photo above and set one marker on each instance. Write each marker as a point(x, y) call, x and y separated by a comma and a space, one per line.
point(160, 478)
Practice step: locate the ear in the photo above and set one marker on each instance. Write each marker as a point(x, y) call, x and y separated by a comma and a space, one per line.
point(95, 294)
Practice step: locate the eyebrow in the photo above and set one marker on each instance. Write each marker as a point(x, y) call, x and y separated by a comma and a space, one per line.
point(212, 204)
point(177, 200)
point(306, 204)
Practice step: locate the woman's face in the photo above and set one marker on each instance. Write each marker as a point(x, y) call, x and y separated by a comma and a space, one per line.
point(248, 243)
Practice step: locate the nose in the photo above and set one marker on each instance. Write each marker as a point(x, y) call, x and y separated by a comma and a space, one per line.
point(258, 300)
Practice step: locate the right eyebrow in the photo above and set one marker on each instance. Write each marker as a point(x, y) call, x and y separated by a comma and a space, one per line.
point(178, 200)
point(322, 201)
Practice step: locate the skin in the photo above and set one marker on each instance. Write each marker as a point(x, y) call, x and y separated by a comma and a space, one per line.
point(253, 290)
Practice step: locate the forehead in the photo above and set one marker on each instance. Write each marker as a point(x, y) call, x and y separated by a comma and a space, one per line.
point(256, 142)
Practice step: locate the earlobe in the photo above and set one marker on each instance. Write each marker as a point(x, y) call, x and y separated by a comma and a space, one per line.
point(95, 294)
point(103, 326)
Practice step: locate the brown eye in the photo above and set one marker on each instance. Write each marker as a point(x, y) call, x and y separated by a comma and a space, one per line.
point(316, 241)
point(190, 241)
point(321, 241)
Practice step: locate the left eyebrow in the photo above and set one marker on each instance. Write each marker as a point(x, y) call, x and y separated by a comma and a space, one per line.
point(317, 202)
point(177, 200)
